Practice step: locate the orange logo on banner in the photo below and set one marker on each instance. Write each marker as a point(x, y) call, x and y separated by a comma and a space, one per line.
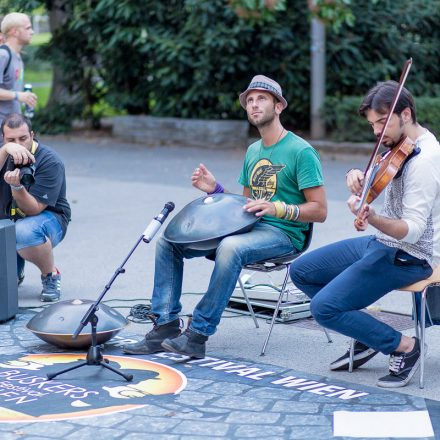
point(27, 395)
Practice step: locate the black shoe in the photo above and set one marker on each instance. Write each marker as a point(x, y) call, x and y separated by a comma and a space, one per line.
point(362, 354)
point(402, 368)
point(189, 343)
point(153, 339)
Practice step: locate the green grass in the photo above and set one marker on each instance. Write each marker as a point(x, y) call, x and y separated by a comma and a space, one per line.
point(37, 76)
point(42, 82)
point(43, 96)
point(39, 39)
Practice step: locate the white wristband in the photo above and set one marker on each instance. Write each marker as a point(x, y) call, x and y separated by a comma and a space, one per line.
point(16, 188)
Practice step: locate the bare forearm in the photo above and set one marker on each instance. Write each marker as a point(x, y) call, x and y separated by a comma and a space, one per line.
point(312, 212)
point(27, 203)
point(397, 229)
point(7, 95)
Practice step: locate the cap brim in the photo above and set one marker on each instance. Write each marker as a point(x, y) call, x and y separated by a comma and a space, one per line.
point(243, 95)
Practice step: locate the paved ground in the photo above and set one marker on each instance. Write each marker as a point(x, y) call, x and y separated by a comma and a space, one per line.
point(115, 190)
point(218, 397)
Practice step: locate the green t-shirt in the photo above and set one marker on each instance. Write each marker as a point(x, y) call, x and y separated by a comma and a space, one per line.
point(281, 172)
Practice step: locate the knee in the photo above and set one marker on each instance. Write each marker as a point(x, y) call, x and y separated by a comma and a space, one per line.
point(228, 250)
point(321, 310)
point(28, 235)
point(298, 274)
point(161, 243)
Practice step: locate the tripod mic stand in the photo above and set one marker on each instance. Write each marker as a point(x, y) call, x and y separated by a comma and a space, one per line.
point(94, 354)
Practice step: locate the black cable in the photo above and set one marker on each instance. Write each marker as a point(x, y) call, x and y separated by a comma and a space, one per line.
point(139, 313)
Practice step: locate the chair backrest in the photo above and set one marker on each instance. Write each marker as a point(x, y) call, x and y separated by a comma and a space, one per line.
point(308, 234)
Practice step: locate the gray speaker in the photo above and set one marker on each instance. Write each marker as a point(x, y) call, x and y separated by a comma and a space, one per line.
point(8, 271)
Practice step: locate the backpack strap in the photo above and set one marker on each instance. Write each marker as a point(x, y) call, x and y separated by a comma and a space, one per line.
point(6, 48)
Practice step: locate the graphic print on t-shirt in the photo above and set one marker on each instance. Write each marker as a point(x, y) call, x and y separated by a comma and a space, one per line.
point(263, 181)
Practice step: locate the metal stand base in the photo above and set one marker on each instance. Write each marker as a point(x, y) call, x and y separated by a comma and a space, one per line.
point(94, 357)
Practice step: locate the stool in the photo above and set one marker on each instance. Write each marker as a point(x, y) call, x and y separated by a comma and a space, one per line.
point(420, 286)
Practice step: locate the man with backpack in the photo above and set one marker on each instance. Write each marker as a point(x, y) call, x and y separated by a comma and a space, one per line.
point(17, 33)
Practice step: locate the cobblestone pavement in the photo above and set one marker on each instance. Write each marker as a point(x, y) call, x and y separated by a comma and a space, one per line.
point(222, 398)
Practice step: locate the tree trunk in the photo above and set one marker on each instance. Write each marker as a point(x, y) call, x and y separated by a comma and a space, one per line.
point(58, 16)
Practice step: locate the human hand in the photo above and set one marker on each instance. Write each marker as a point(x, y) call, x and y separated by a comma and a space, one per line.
point(355, 181)
point(20, 155)
point(28, 98)
point(203, 179)
point(362, 215)
point(12, 177)
point(260, 207)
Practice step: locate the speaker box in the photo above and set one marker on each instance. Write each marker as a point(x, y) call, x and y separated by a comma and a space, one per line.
point(8, 271)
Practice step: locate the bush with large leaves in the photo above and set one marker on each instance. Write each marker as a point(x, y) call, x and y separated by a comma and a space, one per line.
point(190, 58)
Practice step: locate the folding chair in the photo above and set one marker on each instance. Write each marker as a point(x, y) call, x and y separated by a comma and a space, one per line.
point(419, 325)
point(276, 264)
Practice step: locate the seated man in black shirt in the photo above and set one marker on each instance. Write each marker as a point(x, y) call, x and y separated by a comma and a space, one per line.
point(39, 206)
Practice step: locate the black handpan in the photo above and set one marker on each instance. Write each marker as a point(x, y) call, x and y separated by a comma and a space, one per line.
point(57, 323)
point(203, 223)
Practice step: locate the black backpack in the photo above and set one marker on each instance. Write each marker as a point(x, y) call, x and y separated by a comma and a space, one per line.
point(6, 47)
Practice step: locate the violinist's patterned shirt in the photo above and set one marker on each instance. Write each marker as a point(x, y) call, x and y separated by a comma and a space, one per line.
point(415, 198)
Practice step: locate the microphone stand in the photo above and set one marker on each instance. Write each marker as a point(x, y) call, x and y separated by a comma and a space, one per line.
point(94, 354)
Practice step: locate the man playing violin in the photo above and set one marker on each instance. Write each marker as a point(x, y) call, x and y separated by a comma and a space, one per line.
point(345, 277)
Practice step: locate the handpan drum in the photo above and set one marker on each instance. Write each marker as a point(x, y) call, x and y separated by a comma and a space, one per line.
point(203, 223)
point(57, 323)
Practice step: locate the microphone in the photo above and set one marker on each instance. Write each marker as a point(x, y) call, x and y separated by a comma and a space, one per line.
point(157, 222)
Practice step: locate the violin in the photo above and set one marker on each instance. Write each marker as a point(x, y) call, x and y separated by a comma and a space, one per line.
point(382, 169)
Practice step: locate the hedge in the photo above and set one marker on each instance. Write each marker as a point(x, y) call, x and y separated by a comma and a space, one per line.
point(345, 124)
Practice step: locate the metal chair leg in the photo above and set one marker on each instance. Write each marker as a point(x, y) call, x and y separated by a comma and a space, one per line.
point(416, 316)
point(351, 356)
point(249, 305)
point(329, 339)
point(422, 340)
point(275, 313)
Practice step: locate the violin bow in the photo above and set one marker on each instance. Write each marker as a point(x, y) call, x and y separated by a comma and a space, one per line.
point(369, 171)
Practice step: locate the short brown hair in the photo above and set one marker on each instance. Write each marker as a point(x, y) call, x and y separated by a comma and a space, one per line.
point(380, 97)
point(15, 120)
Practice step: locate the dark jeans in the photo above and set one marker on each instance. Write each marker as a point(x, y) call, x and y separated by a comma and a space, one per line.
point(347, 276)
point(262, 242)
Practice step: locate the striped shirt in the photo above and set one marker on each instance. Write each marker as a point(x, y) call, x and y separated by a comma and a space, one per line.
point(415, 198)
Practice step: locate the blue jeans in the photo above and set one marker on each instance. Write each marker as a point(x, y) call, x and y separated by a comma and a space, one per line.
point(347, 276)
point(34, 230)
point(262, 242)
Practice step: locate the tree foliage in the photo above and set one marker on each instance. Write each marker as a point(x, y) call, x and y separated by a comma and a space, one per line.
point(191, 58)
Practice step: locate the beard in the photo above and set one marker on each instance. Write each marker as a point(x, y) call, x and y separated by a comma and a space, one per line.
point(265, 120)
point(391, 143)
